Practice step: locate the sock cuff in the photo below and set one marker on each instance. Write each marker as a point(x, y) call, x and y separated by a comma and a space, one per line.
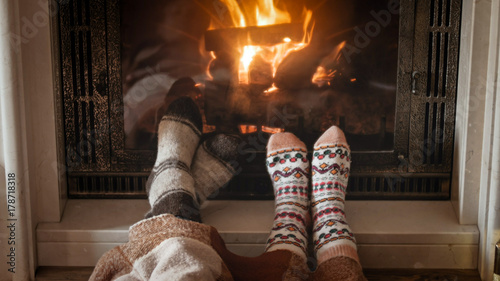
point(342, 250)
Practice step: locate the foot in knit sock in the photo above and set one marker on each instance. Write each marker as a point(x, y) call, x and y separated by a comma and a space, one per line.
point(214, 164)
point(330, 173)
point(288, 167)
point(170, 186)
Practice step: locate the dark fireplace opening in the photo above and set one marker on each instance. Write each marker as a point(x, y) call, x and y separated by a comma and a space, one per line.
point(384, 71)
point(265, 67)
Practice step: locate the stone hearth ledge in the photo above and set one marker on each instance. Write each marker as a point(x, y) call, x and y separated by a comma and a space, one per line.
point(390, 234)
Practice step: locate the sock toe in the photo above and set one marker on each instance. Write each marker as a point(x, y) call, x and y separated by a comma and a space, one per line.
point(215, 163)
point(224, 147)
point(333, 135)
point(185, 108)
point(182, 87)
point(284, 140)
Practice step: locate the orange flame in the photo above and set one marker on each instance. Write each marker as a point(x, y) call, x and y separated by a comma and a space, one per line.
point(266, 13)
point(247, 129)
point(272, 130)
point(327, 68)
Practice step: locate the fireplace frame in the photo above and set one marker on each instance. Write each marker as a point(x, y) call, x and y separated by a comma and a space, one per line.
point(99, 165)
point(474, 125)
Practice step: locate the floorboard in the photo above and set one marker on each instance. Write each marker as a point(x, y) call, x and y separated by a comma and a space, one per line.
point(421, 275)
point(51, 273)
point(83, 273)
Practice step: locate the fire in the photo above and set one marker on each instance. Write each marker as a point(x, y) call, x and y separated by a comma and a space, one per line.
point(247, 129)
point(327, 68)
point(265, 13)
point(250, 129)
point(246, 59)
point(268, 14)
point(272, 130)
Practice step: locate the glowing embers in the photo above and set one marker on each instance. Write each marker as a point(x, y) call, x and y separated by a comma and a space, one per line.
point(247, 129)
point(330, 68)
point(272, 130)
point(250, 129)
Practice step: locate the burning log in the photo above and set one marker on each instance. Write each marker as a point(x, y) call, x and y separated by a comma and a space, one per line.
point(222, 67)
point(297, 69)
point(222, 39)
point(261, 72)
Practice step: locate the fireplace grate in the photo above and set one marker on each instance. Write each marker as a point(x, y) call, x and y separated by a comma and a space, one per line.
point(102, 186)
point(258, 188)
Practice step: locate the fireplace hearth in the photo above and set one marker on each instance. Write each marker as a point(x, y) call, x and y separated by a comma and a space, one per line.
point(384, 71)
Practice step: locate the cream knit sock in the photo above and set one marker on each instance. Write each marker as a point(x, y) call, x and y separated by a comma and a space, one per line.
point(330, 172)
point(288, 167)
point(170, 186)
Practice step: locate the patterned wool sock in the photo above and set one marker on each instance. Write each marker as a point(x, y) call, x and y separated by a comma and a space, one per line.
point(214, 164)
point(331, 162)
point(288, 167)
point(170, 186)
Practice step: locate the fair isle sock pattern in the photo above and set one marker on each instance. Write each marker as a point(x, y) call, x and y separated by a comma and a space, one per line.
point(289, 171)
point(332, 235)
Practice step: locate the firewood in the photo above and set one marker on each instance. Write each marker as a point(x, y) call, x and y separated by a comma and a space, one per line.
point(261, 72)
point(227, 38)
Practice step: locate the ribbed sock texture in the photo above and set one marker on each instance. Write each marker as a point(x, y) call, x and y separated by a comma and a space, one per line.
point(170, 186)
point(214, 164)
point(288, 167)
point(331, 162)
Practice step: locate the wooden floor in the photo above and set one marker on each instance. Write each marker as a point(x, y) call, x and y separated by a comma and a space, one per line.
point(421, 275)
point(83, 273)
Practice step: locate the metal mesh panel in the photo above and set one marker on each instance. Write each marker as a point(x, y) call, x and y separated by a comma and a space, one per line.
point(435, 80)
point(84, 91)
point(106, 185)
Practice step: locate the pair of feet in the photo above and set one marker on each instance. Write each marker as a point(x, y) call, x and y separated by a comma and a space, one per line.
point(187, 172)
point(305, 190)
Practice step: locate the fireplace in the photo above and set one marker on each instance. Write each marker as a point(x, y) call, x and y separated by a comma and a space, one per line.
point(386, 76)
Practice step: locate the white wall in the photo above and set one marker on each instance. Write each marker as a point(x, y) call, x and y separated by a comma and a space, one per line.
point(472, 76)
point(39, 92)
point(489, 212)
point(28, 128)
point(3, 215)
